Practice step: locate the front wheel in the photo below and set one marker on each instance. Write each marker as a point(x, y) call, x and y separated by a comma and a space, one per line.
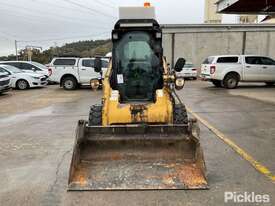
point(95, 115)
point(22, 84)
point(69, 83)
point(231, 81)
point(180, 114)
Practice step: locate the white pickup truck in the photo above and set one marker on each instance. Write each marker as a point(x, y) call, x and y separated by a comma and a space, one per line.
point(72, 72)
point(228, 70)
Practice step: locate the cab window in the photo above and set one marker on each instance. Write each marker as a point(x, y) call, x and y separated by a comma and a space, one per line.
point(228, 60)
point(88, 63)
point(26, 66)
point(267, 61)
point(64, 62)
point(253, 60)
point(104, 63)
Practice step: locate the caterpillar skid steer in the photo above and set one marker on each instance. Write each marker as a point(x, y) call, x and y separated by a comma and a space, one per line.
point(139, 137)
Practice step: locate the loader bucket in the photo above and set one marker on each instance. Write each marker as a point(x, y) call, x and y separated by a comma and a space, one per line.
point(135, 157)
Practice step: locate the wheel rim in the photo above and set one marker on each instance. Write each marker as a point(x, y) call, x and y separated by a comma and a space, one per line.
point(232, 83)
point(22, 85)
point(69, 84)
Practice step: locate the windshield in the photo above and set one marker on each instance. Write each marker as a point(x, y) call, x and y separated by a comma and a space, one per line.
point(138, 65)
point(3, 71)
point(188, 66)
point(41, 66)
point(12, 69)
point(135, 51)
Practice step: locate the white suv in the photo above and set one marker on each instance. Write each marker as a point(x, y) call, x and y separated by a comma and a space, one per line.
point(228, 70)
point(72, 72)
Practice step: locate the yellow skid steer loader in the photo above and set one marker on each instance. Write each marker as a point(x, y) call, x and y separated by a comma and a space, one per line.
point(139, 137)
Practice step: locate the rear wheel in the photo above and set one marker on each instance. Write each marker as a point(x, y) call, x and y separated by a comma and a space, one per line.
point(180, 114)
point(95, 116)
point(270, 83)
point(217, 83)
point(22, 84)
point(231, 81)
point(69, 83)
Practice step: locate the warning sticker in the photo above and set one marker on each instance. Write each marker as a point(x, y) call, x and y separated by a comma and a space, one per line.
point(120, 79)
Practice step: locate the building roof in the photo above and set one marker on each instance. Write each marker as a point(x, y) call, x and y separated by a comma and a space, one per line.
point(246, 6)
point(206, 28)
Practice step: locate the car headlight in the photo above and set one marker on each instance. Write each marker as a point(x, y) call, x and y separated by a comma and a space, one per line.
point(36, 77)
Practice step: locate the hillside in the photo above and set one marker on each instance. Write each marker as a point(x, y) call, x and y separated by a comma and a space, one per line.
point(87, 48)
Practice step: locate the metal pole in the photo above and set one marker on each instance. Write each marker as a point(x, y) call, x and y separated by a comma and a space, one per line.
point(173, 50)
point(16, 55)
point(244, 43)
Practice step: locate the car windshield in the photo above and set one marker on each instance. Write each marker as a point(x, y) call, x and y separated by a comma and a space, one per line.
point(12, 69)
point(208, 60)
point(41, 66)
point(3, 71)
point(188, 66)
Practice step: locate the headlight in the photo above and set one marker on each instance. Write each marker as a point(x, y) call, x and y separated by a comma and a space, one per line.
point(179, 83)
point(94, 84)
point(36, 77)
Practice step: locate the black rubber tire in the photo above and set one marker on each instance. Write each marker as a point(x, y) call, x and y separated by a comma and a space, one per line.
point(217, 83)
point(69, 83)
point(20, 84)
point(95, 115)
point(231, 81)
point(270, 83)
point(180, 114)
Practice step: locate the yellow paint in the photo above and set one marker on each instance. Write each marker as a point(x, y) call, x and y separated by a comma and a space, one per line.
point(160, 111)
point(257, 165)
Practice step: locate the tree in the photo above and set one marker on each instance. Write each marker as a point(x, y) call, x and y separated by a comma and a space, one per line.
point(88, 48)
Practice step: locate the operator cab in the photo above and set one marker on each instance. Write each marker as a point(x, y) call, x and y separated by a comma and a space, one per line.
point(137, 56)
point(137, 65)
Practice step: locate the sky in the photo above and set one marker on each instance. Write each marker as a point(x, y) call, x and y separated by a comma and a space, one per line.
point(46, 23)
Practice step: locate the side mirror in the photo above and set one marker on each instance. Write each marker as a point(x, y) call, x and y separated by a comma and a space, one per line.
point(179, 64)
point(98, 65)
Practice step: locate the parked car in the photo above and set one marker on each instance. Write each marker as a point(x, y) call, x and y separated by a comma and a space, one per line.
point(73, 72)
point(28, 66)
point(228, 70)
point(4, 81)
point(189, 71)
point(24, 80)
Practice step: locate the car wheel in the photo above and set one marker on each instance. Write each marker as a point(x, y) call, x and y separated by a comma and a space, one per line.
point(22, 84)
point(270, 83)
point(217, 83)
point(69, 83)
point(231, 81)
